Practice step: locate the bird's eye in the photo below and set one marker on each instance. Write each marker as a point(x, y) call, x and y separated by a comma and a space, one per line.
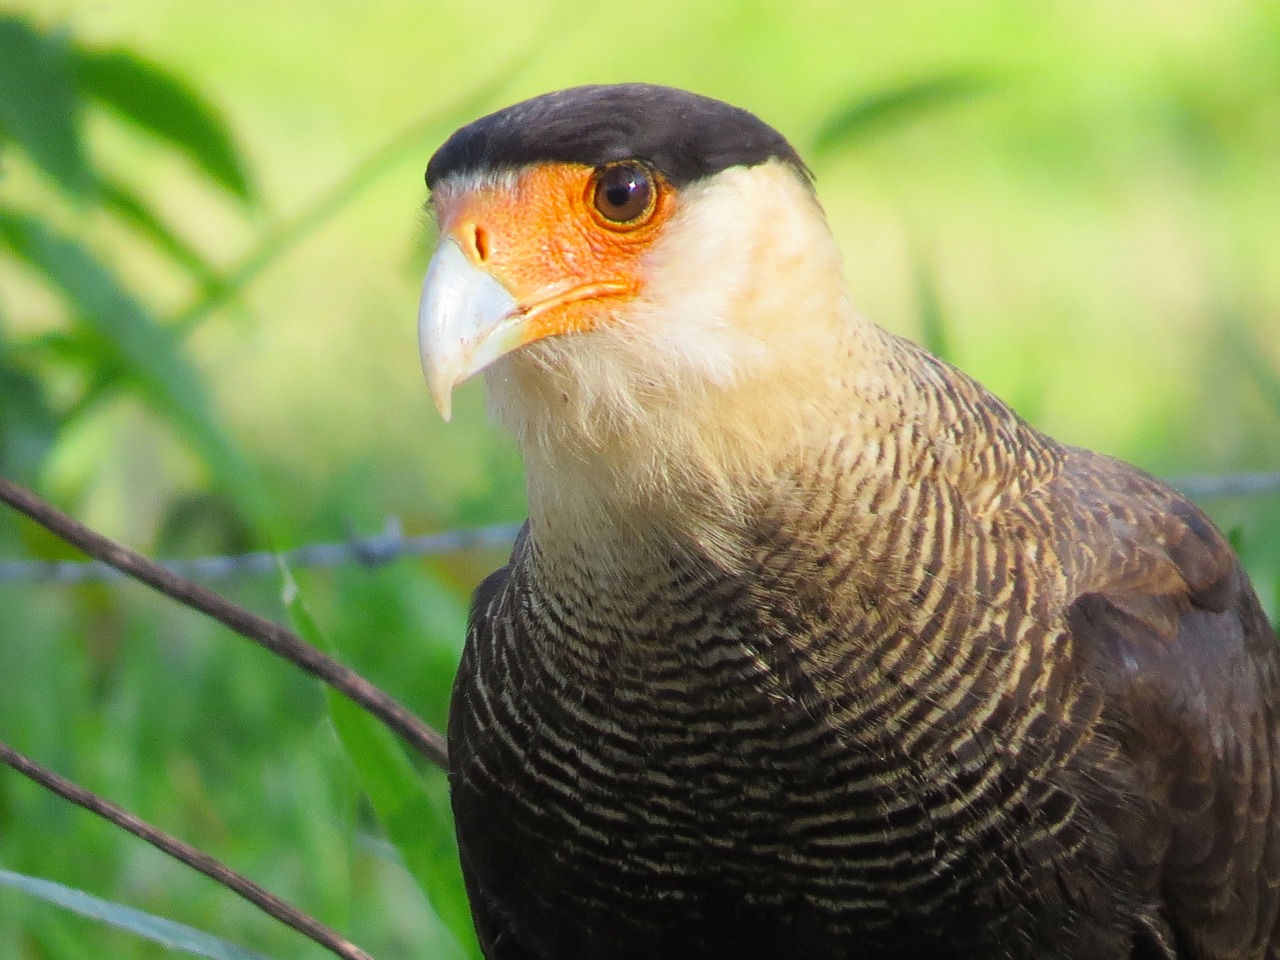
point(623, 194)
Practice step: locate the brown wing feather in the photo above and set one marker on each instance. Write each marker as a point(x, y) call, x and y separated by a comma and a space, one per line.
point(1190, 668)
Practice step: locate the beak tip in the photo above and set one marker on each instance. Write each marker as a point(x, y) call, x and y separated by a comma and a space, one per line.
point(440, 385)
point(444, 404)
point(463, 323)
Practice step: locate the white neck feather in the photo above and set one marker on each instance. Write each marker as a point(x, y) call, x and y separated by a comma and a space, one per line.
point(698, 391)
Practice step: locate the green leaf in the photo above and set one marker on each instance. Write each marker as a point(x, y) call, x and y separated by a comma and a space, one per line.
point(167, 933)
point(28, 424)
point(165, 106)
point(417, 823)
point(150, 354)
point(38, 106)
point(877, 112)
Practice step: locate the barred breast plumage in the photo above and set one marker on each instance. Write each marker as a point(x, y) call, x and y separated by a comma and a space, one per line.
point(838, 658)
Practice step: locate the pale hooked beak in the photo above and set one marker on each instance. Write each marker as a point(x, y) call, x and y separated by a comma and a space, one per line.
point(466, 320)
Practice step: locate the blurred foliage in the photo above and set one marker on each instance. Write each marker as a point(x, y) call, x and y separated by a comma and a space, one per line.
point(112, 350)
point(113, 346)
point(210, 246)
point(871, 114)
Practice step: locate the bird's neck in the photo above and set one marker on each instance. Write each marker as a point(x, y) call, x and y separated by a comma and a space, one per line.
point(726, 391)
point(877, 419)
point(695, 393)
point(846, 560)
point(694, 466)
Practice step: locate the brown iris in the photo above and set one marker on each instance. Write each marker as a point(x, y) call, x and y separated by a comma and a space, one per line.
point(624, 194)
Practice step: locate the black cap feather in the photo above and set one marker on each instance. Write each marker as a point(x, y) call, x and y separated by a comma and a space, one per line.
point(686, 137)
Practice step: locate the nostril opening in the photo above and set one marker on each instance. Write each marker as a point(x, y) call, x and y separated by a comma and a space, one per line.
point(480, 241)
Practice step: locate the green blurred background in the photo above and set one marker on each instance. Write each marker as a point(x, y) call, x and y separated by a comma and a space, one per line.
point(211, 244)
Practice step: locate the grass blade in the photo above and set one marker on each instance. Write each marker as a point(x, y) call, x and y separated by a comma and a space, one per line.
point(877, 112)
point(933, 331)
point(1250, 355)
point(167, 933)
point(415, 823)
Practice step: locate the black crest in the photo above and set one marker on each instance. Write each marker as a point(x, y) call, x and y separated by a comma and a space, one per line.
point(684, 136)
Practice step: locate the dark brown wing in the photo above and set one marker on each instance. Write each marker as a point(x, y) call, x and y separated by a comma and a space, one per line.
point(1191, 674)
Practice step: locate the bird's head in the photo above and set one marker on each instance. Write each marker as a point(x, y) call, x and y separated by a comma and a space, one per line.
point(627, 261)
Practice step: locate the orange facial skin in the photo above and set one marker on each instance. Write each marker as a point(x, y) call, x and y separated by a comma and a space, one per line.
point(544, 240)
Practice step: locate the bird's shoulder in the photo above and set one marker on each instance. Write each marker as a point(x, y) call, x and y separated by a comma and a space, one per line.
point(1154, 588)
point(1163, 619)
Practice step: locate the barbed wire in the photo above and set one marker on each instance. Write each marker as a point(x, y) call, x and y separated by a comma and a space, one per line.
point(1208, 487)
point(369, 551)
point(392, 544)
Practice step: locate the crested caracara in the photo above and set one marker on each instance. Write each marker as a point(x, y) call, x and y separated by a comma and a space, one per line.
point(811, 648)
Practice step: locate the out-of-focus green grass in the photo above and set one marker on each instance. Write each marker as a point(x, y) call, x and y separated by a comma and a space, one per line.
point(1080, 229)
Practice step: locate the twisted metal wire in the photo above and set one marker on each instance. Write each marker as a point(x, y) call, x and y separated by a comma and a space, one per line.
point(392, 544)
point(370, 551)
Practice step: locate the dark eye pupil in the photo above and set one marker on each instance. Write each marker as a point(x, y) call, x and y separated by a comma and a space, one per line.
point(623, 192)
point(619, 193)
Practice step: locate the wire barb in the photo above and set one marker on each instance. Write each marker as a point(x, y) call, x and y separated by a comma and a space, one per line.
point(1208, 487)
point(371, 551)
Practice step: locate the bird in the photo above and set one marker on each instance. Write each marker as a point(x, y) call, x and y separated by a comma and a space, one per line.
point(810, 646)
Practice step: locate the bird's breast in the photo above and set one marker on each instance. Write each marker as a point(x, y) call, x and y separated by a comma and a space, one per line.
point(679, 746)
